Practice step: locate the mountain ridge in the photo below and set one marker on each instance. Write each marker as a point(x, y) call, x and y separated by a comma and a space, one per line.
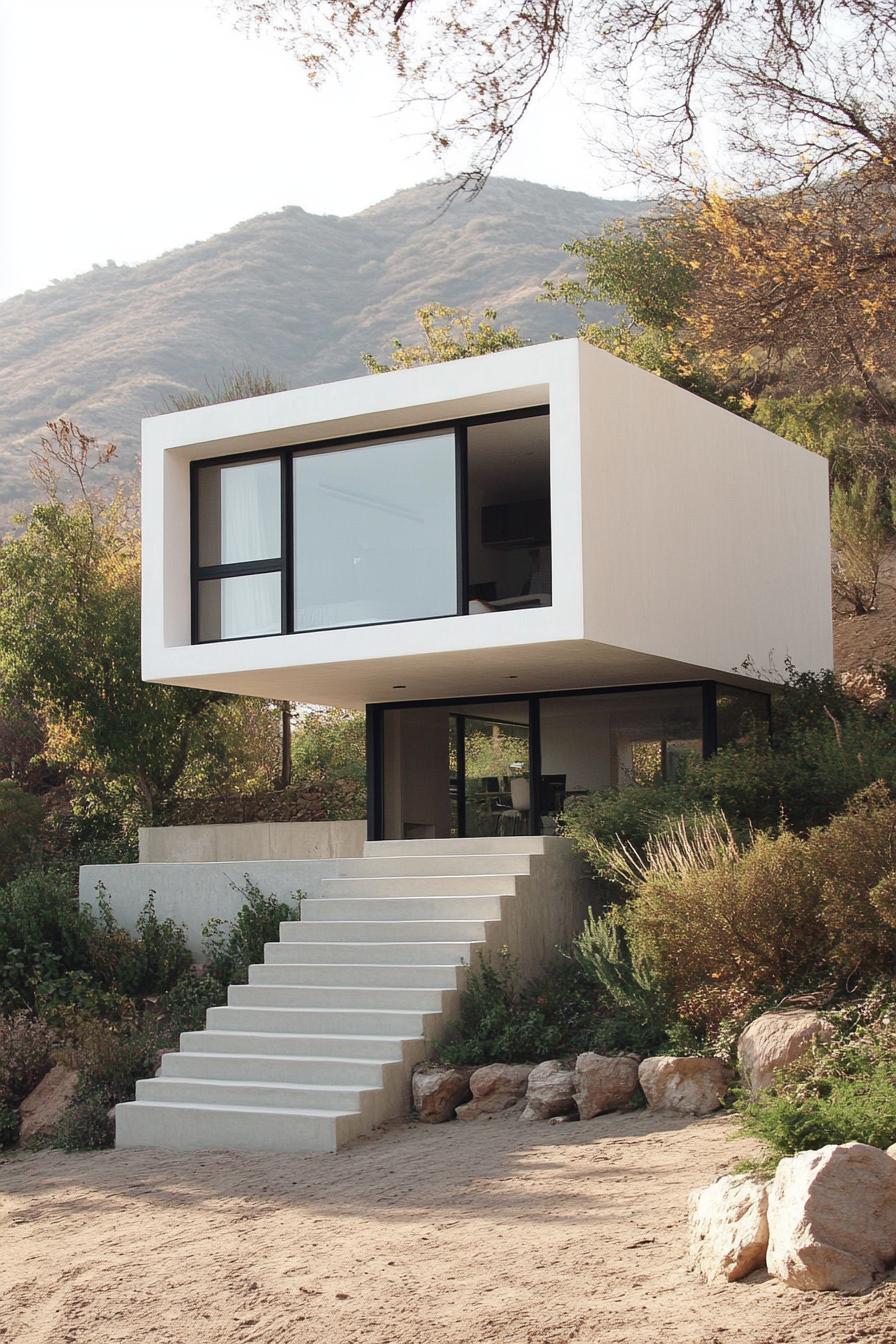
point(299, 294)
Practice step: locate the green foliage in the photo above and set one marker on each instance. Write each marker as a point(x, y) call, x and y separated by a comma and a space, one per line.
point(21, 824)
point(10, 1124)
point(231, 949)
point(604, 951)
point(186, 1003)
point(26, 1046)
point(147, 964)
point(329, 748)
point(55, 955)
point(448, 333)
point(562, 1013)
point(825, 747)
point(85, 1125)
point(635, 271)
point(842, 1091)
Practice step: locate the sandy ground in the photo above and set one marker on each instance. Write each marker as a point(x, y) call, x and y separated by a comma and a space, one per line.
point(491, 1231)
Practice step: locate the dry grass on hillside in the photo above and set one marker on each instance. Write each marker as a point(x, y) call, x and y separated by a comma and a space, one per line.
point(860, 640)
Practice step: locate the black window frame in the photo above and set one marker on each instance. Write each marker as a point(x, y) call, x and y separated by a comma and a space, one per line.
point(284, 563)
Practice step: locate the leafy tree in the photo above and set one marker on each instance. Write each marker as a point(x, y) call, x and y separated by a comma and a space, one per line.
point(70, 647)
point(799, 285)
point(330, 745)
point(637, 272)
point(448, 333)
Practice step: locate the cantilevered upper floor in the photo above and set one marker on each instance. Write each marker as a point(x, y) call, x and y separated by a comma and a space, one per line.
point(540, 519)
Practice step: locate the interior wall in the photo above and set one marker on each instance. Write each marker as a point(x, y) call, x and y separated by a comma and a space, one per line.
point(416, 769)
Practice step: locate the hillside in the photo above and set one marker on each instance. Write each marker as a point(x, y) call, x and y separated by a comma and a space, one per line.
point(298, 294)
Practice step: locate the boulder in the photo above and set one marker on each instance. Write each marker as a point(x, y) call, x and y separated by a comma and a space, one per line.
point(776, 1039)
point(549, 1091)
point(728, 1228)
point(688, 1085)
point(832, 1218)
point(604, 1083)
point(438, 1090)
point(891, 1151)
point(495, 1087)
point(45, 1106)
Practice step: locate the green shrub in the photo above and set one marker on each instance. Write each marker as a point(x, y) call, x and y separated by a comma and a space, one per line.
point(851, 859)
point(55, 954)
point(185, 1004)
point(147, 964)
point(86, 1124)
point(230, 949)
point(10, 1124)
point(561, 1013)
point(21, 826)
point(824, 748)
point(842, 1091)
point(26, 1046)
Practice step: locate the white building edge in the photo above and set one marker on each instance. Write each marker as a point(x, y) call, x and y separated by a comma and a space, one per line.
point(540, 572)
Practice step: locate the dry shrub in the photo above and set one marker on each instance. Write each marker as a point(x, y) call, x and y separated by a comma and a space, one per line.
point(26, 1046)
point(852, 858)
point(786, 913)
point(749, 924)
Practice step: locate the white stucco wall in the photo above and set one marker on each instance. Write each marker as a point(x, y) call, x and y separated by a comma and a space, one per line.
point(706, 538)
point(193, 893)
point(684, 539)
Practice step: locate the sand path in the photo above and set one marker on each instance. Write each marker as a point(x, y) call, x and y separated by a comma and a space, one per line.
point(492, 1231)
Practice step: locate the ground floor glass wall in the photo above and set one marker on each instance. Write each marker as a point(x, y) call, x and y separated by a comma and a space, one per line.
point(510, 766)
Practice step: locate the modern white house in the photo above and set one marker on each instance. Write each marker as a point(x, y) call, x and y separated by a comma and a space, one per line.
point(546, 552)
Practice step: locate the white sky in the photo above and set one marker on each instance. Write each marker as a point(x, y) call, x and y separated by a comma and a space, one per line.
point(128, 127)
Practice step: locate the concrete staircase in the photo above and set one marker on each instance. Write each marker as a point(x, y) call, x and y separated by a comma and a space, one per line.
point(318, 1047)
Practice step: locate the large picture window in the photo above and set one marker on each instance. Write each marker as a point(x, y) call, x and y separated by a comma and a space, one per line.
point(442, 520)
point(375, 533)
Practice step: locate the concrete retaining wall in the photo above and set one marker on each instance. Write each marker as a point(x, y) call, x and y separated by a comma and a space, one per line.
point(237, 842)
point(193, 893)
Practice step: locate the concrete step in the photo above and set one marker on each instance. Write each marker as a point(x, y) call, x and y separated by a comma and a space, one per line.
point(270, 1095)
point(434, 865)
point(357, 1045)
point(385, 931)
point(334, 1072)
point(486, 844)
point(336, 996)
point(401, 1022)
point(386, 975)
point(306, 953)
point(165, 1124)
point(361, 908)
point(453, 884)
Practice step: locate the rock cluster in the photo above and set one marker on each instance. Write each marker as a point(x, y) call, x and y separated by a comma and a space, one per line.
point(826, 1221)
